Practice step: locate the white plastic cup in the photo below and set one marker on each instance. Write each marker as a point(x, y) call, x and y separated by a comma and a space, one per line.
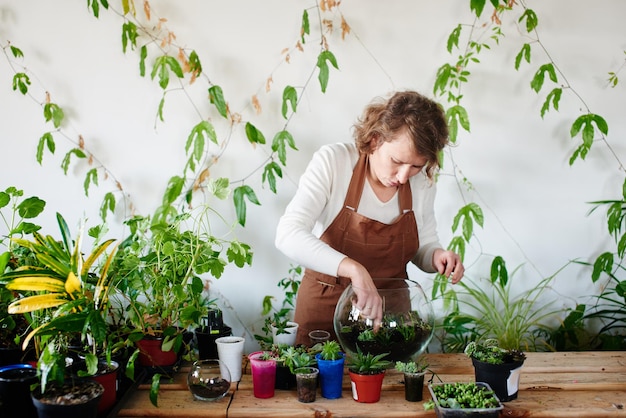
point(230, 352)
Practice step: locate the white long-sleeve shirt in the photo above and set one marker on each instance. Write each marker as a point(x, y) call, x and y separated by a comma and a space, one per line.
point(320, 197)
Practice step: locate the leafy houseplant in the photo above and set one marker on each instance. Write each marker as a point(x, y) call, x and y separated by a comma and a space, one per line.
point(413, 372)
point(288, 359)
point(158, 269)
point(499, 367)
point(278, 320)
point(71, 295)
point(491, 311)
point(366, 372)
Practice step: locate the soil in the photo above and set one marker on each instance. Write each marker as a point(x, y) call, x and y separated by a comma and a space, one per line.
point(213, 390)
point(71, 393)
point(307, 391)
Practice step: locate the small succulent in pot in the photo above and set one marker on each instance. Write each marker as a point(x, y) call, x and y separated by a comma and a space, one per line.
point(418, 366)
point(490, 352)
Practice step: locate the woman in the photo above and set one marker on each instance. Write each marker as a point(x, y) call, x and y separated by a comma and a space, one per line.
point(364, 210)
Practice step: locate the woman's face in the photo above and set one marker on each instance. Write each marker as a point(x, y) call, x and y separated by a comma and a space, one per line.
point(394, 162)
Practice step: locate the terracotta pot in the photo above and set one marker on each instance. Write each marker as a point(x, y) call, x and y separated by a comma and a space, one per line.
point(366, 388)
point(151, 355)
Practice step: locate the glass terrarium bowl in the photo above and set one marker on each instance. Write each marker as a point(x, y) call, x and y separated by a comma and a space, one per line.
point(208, 380)
point(407, 326)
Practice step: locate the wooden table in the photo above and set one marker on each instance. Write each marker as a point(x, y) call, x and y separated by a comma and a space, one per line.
point(563, 384)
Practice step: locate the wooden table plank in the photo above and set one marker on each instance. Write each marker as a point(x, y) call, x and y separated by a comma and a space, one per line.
point(567, 384)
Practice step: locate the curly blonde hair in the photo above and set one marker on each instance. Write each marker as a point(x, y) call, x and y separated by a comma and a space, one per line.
point(423, 118)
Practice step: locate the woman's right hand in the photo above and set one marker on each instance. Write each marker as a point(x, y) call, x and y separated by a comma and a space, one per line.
point(368, 301)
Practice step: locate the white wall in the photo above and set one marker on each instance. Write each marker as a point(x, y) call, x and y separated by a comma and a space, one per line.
point(535, 204)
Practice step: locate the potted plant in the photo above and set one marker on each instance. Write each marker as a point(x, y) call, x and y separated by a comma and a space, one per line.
point(288, 359)
point(453, 400)
point(367, 372)
point(278, 327)
point(212, 327)
point(330, 362)
point(413, 372)
point(497, 366)
point(158, 271)
point(263, 369)
point(71, 295)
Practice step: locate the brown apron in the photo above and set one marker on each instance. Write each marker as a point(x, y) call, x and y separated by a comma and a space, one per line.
point(383, 249)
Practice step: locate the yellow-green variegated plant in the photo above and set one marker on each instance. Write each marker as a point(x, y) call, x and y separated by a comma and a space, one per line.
point(67, 295)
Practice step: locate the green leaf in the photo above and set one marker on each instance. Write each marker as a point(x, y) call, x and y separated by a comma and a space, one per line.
point(603, 264)
point(52, 111)
point(468, 214)
point(444, 73)
point(108, 205)
point(305, 29)
point(129, 34)
point(524, 54)
point(31, 207)
point(17, 53)
point(553, 97)
point(163, 66)
point(290, 96)
point(239, 195)
point(254, 135)
point(457, 115)
point(197, 139)
point(220, 187)
point(154, 389)
point(499, 272)
point(323, 66)
point(142, 60)
point(46, 141)
point(216, 96)
point(453, 38)
point(477, 6)
point(585, 123)
point(21, 82)
point(270, 172)
point(195, 66)
point(5, 199)
point(239, 253)
point(160, 109)
point(173, 191)
point(457, 244)
point(65, 164)
point(90, 177)
point(538, 79)
point(531, 19)
point(280, 142)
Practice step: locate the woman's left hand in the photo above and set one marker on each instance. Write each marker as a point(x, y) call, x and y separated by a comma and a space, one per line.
point(448, 264)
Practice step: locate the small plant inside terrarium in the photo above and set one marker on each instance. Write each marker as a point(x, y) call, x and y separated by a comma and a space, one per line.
point(399, 335)
point(407, 323)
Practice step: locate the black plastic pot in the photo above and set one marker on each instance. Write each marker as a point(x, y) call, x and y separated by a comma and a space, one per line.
point(87, 409)
point(205, 340)
point(15, 400)
point(503, 378)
